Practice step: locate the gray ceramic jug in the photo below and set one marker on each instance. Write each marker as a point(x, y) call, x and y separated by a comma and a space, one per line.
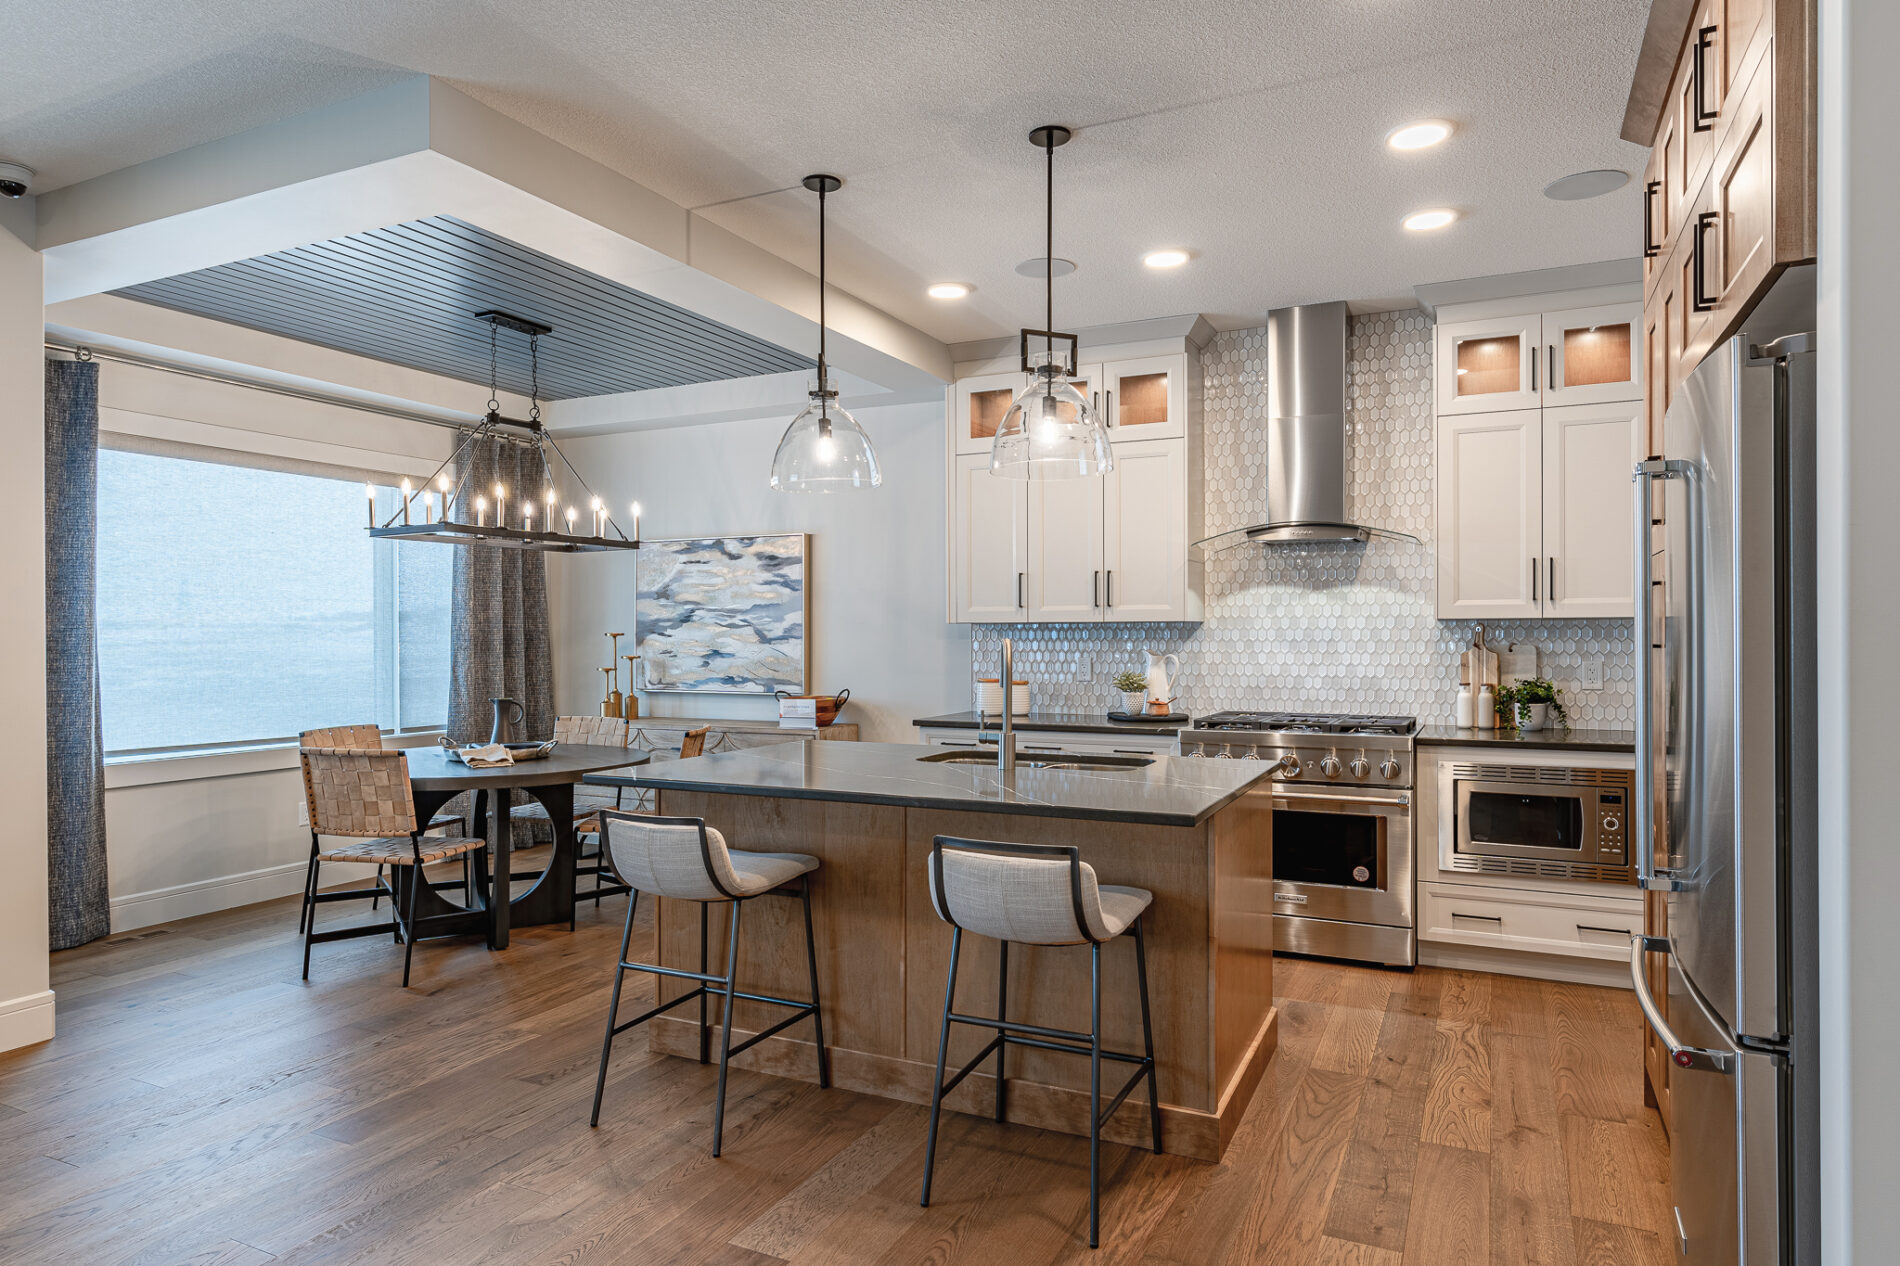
point(508, 715)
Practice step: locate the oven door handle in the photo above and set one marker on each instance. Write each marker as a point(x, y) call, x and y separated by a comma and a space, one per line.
point(1399, 802)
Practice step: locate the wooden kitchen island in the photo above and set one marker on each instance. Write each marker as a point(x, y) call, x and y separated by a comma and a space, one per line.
point(1184, 829)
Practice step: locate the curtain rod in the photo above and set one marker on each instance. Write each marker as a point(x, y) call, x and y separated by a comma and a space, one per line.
point(85, 352)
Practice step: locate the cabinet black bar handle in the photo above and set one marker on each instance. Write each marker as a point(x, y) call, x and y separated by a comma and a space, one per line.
point(1111, 587)
point(1533, 371)
point(1019, 589)
point(1550, 579)
point(1699, 299)
point(1698, 79)
point(1651, 247)
point(1095, 588)
point(1551, 377)
point(1533, 580)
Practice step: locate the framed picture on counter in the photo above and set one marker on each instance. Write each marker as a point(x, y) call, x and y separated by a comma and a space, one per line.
point(724, 614)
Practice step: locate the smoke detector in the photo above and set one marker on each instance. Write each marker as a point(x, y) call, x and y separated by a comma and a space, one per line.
point(15, 179)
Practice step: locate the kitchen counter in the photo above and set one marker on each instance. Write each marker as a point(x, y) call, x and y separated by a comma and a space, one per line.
point(1173, 791)
point(1180, 828)
point(1557, 740)
point(1061, 722)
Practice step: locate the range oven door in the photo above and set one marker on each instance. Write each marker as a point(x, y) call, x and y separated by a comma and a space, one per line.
point(1344, 855)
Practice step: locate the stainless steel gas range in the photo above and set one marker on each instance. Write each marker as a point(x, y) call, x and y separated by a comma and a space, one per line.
point(1342, 826)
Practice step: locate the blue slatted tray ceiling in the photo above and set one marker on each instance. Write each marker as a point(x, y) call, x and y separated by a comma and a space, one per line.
point(408, 295)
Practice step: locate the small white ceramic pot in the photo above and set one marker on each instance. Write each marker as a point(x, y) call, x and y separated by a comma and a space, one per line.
point(1133, 702)
point(1532, 716)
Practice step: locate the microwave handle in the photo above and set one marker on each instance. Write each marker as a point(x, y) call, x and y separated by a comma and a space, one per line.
point(1648, 874)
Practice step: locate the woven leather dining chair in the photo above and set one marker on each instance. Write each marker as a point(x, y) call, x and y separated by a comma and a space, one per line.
point(693, 742)
point(365, 794)
point(1037, 894)
point(369, 738)
point(686, 860)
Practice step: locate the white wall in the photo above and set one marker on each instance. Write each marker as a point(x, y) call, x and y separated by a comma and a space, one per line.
point(26, 1002)
point(1859, 608)
point(877, 560)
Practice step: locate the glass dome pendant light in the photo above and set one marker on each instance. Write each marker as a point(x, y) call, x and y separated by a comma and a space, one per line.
point(824, 449)
point(1051, 431)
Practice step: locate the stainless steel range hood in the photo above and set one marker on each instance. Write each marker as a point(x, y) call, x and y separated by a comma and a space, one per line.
point(1306, 433)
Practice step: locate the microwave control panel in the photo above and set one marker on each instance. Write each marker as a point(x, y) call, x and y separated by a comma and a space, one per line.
point(1612, 847)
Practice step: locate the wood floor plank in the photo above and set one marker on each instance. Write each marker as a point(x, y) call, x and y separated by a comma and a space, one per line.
point(1530, 1179)
point(203, 1104)
point(1617, 1173)
point(1607, 1244)
point(1455, 1225)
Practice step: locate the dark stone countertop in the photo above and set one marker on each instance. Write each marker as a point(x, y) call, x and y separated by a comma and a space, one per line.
point(1173, 791)
point(1069, 722)
point(1559, 740)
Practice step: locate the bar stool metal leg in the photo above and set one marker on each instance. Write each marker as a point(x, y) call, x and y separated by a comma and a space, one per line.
point(1002, 1013)
point(1095, 1091)
point(817, 1013)
point(725, 1041)
point(705, 1034)
point(1147, 1035)
point(943, 1045)
point(613, 1008)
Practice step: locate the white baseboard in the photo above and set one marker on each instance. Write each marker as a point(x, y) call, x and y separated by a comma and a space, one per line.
point(26, 1020)
point(226, 892)
point(1503, 962)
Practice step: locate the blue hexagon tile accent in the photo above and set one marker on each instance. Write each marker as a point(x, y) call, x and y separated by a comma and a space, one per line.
point(1328, 627)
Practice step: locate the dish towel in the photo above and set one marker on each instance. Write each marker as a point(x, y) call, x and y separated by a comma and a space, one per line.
point(486, 757)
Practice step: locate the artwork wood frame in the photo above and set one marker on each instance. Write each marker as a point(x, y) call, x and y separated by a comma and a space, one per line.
point(724, 614)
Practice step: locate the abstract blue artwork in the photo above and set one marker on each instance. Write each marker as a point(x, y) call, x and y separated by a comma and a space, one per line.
point(723, 614)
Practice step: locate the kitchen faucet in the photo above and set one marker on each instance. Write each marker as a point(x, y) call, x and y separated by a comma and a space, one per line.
point(1006, 743)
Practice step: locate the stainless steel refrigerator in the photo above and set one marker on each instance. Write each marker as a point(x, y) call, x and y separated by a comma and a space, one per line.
point(1725, 797)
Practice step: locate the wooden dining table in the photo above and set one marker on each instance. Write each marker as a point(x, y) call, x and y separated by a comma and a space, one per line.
point(435, 778)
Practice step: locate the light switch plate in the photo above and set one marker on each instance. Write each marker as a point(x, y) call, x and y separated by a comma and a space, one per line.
point(303, 812)
point(1591, 677)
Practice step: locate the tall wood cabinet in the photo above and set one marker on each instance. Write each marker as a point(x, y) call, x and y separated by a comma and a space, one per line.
point(1540, 422)
point(1113, 549)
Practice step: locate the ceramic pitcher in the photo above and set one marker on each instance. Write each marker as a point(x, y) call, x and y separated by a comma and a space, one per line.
point(508, 715)
point(1162, 670)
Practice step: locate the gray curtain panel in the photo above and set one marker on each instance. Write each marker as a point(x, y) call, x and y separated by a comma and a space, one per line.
point(500, 620)
point(75, 758)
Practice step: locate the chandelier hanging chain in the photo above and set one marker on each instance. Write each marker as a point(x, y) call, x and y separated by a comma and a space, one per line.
point(494, 373)
point(534, 377)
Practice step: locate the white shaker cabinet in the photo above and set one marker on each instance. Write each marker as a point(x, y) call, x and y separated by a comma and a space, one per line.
point(1490, 515)
point(991, 563)
point(1144, 530)
point(1589, 452)
point(1065, 549)
point(1540, 422)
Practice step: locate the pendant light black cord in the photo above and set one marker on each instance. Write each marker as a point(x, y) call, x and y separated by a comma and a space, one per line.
point(1049, 246)
point(821, 288)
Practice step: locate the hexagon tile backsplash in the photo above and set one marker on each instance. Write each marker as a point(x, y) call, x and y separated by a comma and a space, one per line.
point(1326, 627)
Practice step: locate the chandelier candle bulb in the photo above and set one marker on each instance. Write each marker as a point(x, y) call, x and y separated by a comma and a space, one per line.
point(371, 489)
point(527, 516)
point(481, 509)
point(596, 509)
point(501, 506)
point(636, 529)
point(571, 512)
point(408, 491)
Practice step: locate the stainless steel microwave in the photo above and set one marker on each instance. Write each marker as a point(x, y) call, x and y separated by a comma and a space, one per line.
point(1549, 821)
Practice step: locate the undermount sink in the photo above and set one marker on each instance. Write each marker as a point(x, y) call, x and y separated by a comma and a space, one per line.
point(1044, 761)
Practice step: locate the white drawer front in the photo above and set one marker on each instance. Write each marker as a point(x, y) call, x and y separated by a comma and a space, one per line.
point(1544, 923)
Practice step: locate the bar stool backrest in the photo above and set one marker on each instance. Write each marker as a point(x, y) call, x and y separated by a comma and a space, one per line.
point(1033, 894)
point(599, 731)
point(366, 738)
point(358, 793)
point(682, 858)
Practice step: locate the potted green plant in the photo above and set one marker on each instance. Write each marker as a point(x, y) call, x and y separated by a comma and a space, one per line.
point(1531, 703)
point(1134, 692)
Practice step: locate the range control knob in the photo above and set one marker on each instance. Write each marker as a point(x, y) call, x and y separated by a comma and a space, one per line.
point(1360, 767)
point(1329, 765)
point(1290, 766)
point(1251, 754)
point(1389, 768)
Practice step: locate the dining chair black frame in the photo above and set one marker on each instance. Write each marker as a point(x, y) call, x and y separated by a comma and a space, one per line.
point(727, 989)
point(1010, 1033)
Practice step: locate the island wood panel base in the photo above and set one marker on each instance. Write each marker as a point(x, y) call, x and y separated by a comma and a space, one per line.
point(883, 954)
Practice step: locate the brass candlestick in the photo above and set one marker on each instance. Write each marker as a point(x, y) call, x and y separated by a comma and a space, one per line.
point(610, 706)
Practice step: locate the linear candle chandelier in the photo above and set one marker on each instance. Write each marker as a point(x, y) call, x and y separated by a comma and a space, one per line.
point(557, 532)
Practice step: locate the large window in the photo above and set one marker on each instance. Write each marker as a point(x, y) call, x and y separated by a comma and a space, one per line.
point(241, 606)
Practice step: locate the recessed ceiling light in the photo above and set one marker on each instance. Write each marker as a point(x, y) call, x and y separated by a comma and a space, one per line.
point(1037, 267)
point(1421, 135)
point(1587, 184)
point(1422, 221)
point(948, 290)
point(1165, 259)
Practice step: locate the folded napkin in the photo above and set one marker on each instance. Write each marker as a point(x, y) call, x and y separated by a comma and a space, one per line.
point(486, 757)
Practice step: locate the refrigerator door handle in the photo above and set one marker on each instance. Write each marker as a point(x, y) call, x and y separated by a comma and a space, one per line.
point(1648, 875)
point(1680, 1054)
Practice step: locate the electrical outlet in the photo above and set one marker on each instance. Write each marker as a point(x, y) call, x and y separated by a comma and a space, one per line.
point(1592, 675)
point(303, 812)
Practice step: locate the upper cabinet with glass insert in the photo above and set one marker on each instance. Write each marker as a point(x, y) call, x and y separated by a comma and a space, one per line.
point(1567, 356)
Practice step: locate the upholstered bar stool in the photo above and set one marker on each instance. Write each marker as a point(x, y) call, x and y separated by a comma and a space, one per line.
point(687, 860)
point(1038, 894)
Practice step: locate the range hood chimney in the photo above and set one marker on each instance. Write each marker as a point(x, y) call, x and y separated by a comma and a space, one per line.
point(1306, 432)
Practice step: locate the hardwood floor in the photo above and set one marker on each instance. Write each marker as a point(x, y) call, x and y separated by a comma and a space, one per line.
point(201, 1104)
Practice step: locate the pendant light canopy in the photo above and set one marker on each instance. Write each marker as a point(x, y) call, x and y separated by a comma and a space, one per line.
point(1051, 431)
point(824, 449)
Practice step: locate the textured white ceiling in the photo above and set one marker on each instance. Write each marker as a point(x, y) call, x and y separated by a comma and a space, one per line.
point(1249, 131)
